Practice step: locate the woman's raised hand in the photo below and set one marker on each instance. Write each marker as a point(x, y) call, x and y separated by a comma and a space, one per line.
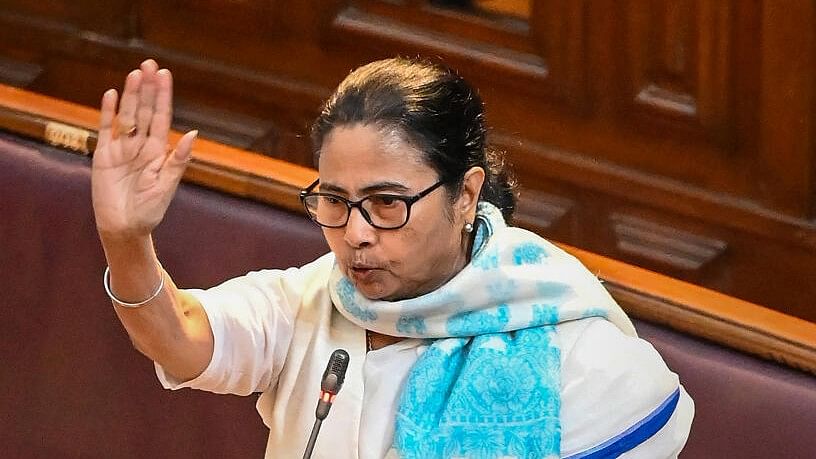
point(135, 171)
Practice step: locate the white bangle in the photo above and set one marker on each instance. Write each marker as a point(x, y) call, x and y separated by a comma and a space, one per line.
point(106, 283)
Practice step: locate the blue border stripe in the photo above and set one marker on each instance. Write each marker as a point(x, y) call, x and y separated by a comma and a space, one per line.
point(634, 435)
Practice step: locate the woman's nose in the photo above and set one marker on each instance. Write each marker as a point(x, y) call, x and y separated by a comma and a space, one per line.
point(359, 232)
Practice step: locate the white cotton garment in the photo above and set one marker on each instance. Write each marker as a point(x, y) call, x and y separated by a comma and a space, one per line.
point(274, 331)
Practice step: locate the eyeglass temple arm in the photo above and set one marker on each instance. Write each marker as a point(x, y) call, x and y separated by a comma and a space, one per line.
point(309, 188)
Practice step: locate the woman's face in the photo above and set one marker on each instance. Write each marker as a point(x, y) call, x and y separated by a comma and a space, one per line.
point(359, 160)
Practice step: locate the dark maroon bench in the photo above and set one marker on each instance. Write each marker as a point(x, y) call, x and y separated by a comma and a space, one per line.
point(73, 386)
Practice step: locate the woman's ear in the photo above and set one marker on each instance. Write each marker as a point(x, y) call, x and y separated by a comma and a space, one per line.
point(471, 188)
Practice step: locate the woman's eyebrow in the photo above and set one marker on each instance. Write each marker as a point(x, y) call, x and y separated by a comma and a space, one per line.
point(330, 188)
point(385, 186)
point(373, 188)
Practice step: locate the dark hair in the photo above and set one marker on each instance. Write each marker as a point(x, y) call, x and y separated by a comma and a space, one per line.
point(434, 108)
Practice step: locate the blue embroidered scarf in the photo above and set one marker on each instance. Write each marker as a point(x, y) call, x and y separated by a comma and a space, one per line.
point(488, 385)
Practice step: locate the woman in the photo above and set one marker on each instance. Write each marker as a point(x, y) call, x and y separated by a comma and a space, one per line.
point(467, 337)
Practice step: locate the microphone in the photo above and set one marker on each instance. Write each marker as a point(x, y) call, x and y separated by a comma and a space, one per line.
point(330, 385)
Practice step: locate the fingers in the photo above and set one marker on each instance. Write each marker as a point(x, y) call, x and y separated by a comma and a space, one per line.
point(163, 111)
point(106, 115)
point(147, 98)
point(126, 119)
point(142, 124)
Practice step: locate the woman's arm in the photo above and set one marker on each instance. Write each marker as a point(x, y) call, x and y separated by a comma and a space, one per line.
point(134, 177)
point(172, 329)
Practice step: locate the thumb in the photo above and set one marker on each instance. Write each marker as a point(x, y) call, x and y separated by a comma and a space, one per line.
point(177, 160)
point(182, 154)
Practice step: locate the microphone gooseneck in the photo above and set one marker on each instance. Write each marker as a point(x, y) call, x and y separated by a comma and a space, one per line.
point(330, 385)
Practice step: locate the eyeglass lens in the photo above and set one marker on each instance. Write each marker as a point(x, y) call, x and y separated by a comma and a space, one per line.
point(381, 211)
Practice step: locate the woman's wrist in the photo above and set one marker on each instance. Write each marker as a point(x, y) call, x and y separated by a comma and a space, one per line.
point(130, 304)
point(125, 245)
point(129, 236)
point(133, 265)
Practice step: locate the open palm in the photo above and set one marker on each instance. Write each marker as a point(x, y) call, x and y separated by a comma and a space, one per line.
point(135, 172)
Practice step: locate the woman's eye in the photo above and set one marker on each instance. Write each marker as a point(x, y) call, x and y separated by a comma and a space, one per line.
point(384, 200)
point(332, 200)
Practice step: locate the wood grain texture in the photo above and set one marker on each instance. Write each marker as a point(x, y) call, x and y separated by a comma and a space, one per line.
point(690, 114)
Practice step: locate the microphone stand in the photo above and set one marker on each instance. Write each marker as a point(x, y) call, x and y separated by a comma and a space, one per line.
point(312, 438)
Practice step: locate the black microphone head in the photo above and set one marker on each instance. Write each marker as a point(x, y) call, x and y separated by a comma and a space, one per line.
point(335, 372)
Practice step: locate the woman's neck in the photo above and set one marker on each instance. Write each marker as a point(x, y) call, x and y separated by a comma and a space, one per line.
point(376, 340)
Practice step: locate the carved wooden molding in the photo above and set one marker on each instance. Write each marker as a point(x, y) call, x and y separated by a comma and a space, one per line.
point(543, 210)
point(547, 161)
point(666, 245)
point(17, 73)
point(230, 128)
point(680, 62)
point(643, 294)
point(666, 100)
point(546, 56)
point(362, 23)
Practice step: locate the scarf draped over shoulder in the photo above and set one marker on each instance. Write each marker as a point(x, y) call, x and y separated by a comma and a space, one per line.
point(488, 385)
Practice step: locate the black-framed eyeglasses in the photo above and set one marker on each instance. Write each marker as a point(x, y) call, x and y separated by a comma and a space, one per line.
point(382, 211)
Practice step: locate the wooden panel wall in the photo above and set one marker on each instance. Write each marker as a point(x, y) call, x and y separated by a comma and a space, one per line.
point(675, 135)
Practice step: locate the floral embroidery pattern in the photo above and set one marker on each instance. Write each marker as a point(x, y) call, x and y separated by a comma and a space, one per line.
point(502, 403)
point(409, 324)
point(595, 312)
point(345, 289)
point(488, 385)
point(528, 253)
point(544, 315)
point(471, 323)
point(554, 292)
point(452, 301)
point(487, 260)
point(500, 290)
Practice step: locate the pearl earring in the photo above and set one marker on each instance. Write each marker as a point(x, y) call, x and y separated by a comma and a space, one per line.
point(468, 228)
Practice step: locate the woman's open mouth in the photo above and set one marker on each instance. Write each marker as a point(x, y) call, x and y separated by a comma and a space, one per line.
point(362, 273)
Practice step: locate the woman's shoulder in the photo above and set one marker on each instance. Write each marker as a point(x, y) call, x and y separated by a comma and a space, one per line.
point(297, 277)
point(259, 293)
point(597, 345)
point(614, 383)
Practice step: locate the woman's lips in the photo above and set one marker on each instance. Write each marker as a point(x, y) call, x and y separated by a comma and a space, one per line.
point(363, 273)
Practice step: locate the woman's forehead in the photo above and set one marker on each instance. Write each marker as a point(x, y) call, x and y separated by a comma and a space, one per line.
point(360, 157)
